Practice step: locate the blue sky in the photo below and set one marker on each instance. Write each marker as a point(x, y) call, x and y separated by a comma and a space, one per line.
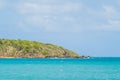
point(88, 27)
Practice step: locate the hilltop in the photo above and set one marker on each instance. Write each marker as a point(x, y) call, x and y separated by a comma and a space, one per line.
point(33, 49)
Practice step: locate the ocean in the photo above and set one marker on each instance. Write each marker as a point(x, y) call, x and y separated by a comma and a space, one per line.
point(60, 69)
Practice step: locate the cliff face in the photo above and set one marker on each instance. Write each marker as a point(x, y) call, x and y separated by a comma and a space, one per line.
point(32, 49)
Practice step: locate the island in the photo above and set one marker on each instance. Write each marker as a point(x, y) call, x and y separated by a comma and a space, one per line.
point(33, 49)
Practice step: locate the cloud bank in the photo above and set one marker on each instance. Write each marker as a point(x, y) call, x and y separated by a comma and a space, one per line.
point(65, 15)
point(53, 17)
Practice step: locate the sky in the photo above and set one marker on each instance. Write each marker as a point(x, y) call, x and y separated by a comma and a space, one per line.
point(88, 27)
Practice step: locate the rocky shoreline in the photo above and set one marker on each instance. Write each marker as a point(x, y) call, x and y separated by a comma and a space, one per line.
point(49, 57)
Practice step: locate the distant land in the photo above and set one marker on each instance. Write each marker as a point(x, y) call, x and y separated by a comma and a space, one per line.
point(33, 49)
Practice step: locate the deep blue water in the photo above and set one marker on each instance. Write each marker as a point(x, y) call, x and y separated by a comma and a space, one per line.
point(60, 69)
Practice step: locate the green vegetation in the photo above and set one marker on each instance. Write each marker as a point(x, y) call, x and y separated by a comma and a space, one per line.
point(32, 49)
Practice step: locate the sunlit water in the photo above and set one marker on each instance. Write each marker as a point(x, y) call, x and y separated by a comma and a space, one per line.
point(60, 69)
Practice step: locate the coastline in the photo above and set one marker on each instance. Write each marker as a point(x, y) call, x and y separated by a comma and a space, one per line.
point(7, 57)
point(80, 57)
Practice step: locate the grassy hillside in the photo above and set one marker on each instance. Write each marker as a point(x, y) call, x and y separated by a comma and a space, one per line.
point(32, 49)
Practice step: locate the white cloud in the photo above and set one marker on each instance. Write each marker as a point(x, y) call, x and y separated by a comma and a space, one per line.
point(112, 17)
point(113, 25)
point(60, 16)
point(106, 18)
point(104, 11)
point(49, 17)
point(2, 4)
point(50, 23)
point(37, 8)
point(109, 11)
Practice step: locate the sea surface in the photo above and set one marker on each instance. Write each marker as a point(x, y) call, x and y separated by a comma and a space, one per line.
point(60, 69)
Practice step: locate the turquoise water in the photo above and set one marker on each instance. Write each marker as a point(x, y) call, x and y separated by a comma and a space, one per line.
point(60, 69)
